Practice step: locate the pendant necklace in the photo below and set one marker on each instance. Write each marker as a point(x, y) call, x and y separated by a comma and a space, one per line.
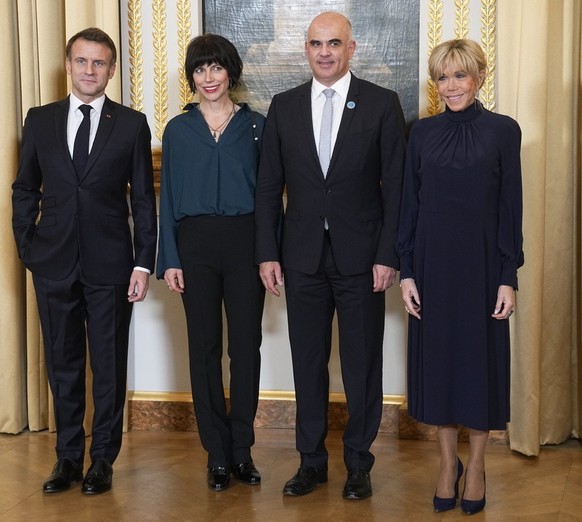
point(217, 132)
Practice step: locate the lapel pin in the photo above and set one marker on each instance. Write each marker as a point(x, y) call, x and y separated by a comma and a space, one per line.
point(351, 105)
point(108, 115)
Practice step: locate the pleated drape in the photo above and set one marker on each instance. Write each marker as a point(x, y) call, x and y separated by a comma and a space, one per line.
point(539, 85)
point(33, 35)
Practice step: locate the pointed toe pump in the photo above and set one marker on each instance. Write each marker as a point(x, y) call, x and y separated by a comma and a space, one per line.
point(446, 504)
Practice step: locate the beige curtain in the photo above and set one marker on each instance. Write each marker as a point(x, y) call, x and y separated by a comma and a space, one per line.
point(33, 35)
point(539, 72)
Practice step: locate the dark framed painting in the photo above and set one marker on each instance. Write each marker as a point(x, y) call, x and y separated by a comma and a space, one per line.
point(270, 37)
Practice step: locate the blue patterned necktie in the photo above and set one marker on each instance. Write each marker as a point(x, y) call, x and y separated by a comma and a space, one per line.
point(325, 132)
point(81, 146)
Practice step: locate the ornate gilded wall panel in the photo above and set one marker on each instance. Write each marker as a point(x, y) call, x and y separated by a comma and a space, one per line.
point(394, 38)
point(489, 44)
point(475, 19)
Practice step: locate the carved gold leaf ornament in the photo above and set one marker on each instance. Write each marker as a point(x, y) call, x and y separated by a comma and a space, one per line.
point(183, 9)
point(135, 45)
point(160, 66)
point(461, 18)
point(435, 32)
point(489, 44)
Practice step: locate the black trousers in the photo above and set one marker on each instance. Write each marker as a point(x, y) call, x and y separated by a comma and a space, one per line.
point(72, 312)
point(311, 303)
point(217, 256)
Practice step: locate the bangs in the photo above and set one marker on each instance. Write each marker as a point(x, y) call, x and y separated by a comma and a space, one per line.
point(461, 55)
point(207, 54)
point(460, 62)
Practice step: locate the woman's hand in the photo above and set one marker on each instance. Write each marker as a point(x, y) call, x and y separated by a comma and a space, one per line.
point(174, 278)
point(410, 297)
point(505, 304)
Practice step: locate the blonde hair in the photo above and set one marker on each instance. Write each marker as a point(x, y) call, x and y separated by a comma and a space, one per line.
point(464, 54)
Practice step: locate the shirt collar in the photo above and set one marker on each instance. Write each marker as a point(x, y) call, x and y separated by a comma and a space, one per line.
point(341, 87)
point(75, 102)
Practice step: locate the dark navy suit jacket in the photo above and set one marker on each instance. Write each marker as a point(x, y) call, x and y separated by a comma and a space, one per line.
point(360, 197)
point(85, 218)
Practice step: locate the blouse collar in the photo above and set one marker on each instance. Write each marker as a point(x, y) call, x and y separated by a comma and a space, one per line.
point(470, 113)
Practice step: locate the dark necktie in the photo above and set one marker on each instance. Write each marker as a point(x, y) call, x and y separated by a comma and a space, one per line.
point(81, 146)
point(325, 132)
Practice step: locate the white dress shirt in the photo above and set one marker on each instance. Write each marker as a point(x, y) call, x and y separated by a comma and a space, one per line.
point(75, 118)
point(338, 101)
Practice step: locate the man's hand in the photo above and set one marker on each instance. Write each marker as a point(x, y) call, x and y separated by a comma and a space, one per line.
point(271, 276)
point(138, 286)
point(384, 277)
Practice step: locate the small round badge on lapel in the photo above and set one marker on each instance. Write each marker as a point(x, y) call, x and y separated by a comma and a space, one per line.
point(351, 105)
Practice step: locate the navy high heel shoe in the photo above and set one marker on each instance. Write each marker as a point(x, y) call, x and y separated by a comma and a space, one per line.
point(446, 504)
point(470, 507)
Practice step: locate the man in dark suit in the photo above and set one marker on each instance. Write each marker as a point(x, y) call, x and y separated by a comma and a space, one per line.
point(335, 242)
point(78, 157)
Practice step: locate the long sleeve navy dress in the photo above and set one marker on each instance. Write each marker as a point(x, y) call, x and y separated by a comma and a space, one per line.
point(460, 238)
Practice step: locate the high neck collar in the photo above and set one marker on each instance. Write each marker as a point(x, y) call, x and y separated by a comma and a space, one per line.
point(470, 113)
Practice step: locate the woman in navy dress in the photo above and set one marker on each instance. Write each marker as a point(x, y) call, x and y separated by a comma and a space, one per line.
point(460, 244)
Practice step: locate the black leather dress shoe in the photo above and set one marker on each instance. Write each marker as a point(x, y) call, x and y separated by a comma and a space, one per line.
point(218, 478)
point(65, 473)
point(247, 473)
point(98, 478)
point(305, 480)
point(358, 485)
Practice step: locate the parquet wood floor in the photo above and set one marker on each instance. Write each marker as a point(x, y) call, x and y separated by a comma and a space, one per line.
point(162, 477)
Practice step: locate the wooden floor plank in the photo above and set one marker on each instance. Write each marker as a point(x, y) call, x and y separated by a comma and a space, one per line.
point(162, 477)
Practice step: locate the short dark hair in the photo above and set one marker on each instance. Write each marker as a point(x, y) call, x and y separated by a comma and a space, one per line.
point(213, 48)
point(93, 34)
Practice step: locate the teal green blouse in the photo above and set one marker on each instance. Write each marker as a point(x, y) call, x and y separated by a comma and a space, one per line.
point(203, 177)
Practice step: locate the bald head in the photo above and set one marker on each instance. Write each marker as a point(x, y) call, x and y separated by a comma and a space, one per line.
point(331, 17)
point(329, 47)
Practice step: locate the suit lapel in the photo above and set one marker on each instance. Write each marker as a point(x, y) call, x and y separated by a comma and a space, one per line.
point(106, 123)
point(348, 113)
point(307, 119)
point(62, 115)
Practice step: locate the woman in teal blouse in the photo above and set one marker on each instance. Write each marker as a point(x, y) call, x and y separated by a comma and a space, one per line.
point(210, 156)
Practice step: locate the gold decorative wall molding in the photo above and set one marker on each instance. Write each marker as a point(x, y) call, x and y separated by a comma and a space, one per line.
point(184, 18)
point(435, 33)
point(462, 12)
point(267, 395)
point(160, 66)
point(135, 44)
point(157, 86)
point(489, 44)
point(462, 29)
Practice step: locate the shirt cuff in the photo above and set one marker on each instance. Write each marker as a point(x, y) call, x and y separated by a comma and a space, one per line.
point(142, 269)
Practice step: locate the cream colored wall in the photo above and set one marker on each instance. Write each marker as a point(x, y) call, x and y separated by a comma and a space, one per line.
point(158, 352)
